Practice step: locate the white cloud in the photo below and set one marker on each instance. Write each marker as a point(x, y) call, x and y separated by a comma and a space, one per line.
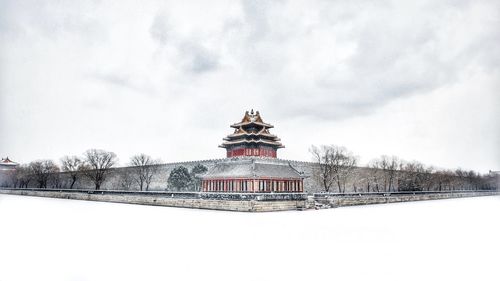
point(156, 77)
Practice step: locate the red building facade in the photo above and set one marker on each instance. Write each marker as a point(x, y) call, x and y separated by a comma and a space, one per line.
point(251, 164)
point(253, 185)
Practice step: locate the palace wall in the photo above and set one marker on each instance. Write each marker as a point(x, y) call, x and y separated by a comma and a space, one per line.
point(356, 183)
point(159, 182)
point(116, 177)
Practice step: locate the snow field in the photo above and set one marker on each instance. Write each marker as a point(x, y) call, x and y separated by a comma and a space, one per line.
point(55, 239)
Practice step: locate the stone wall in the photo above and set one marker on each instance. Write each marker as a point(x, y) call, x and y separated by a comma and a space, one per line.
point(258, 203)
point(243, 202)
point(335, 200)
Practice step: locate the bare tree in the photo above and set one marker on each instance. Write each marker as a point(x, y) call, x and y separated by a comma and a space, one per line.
point(335, 165)
point(24, 175)
point(462, 179)
point(374, 177)
point(386, 168)
point(415, 177)
point(97, 165)
point(55, 181)
point(473, 180)
point(74, 166)
point(359, 180)
point(145, 169)
point(125, 178)
point(442, 180)
point(346, 163)
point(43, 170)
point(324, 174)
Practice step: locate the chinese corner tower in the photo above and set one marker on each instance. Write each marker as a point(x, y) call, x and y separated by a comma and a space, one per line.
point(251, 137)
point(251, 164)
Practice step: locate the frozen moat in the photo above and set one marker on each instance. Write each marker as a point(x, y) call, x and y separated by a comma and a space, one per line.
point(55, 239)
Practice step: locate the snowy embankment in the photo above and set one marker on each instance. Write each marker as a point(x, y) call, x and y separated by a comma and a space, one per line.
point(55, 239)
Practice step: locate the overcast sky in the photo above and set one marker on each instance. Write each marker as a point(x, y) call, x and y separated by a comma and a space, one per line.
point(416, 79)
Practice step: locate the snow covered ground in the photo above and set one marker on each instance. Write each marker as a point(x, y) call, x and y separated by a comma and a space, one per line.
point(53, 239)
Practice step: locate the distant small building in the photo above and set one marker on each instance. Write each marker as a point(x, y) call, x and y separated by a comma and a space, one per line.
point(7, 165)
point(7, 171)
point(251, 164)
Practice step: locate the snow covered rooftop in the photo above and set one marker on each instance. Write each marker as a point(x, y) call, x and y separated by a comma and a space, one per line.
point(7, 162)
point(253, 131)
point(252, 167)
point(252, 118)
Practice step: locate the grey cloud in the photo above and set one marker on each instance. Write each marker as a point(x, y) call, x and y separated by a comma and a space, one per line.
point(256, 18)
point(193, 56)
point(52, 20)
point(400, 51)
point(114, 79)
point(198, 59)
point(122, 80)
point(203, 63)
point(159, 29)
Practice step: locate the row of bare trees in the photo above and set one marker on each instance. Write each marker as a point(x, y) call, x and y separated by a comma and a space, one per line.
point(95, 165)
point(337, 171)
point(336, 164)
point(391, 174)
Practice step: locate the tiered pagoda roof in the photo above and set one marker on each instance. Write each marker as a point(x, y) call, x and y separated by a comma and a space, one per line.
point(252, 130)
point(6, 161)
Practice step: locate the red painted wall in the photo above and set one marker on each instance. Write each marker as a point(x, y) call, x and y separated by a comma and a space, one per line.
point(265, 152)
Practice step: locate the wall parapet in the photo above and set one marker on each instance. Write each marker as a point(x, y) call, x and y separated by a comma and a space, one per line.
point(333, 200)
point(243, 202)
point(178, 194)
